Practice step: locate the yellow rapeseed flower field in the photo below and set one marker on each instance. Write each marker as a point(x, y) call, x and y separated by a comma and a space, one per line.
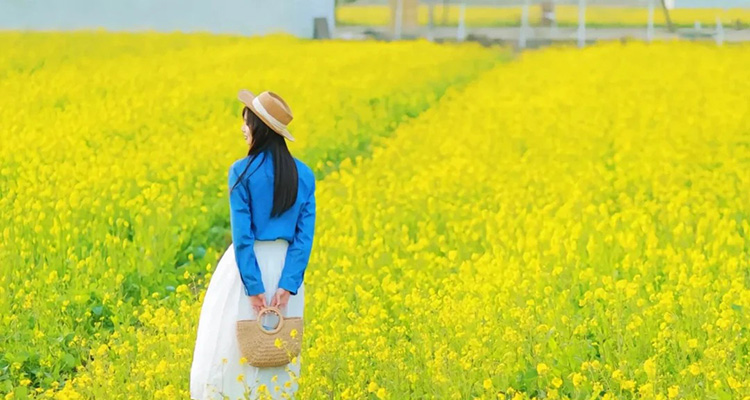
point(570, 225)
point(567, 15)
point(114, 159)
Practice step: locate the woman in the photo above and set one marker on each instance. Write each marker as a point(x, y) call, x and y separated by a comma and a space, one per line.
point(272, 213)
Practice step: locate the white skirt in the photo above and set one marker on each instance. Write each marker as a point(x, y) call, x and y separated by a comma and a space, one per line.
point(216, 370)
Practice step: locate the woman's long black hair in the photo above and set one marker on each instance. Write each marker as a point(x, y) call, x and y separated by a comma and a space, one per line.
point(285, 169)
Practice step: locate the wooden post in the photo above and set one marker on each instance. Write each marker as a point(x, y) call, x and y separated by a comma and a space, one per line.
point(581, 23)
point(524, 25)
point(650, 27)
point(461, 31)
point(403, 17)
point(445, 12)
point(430, 21)
point(399, 19)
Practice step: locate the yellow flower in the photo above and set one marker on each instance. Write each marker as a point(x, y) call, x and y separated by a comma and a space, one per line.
point(617, 374)
point(557, 382)
point(695, 369)
point(372, 387)
point(240, 377)
point(646, 390)
point(673, 391)
point(293, 333)
point(541, 368)
point(627, 384)
point(243, 360)
point(578, 379)
point(487, 384)
point(278, 343)
point(650, 367)
point(734, 383)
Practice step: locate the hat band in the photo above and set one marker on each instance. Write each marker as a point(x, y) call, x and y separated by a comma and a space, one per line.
point(276, 124)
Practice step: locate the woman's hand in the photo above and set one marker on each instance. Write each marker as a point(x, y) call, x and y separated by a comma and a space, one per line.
point(258, 301)
point(281, 298)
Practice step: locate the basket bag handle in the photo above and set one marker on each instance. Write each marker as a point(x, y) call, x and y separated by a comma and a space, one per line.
point(268, 309)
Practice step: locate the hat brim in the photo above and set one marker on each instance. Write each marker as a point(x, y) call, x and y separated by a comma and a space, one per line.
point(246, 97)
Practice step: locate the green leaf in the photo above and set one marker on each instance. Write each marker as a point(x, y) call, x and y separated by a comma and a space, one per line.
point(21, 392)
point(68, 360)
point(724, 395)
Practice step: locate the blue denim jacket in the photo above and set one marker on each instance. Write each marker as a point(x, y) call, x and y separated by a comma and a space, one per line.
point(250, 204)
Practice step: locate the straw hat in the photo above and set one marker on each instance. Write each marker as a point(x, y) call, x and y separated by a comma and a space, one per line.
point(271, 108)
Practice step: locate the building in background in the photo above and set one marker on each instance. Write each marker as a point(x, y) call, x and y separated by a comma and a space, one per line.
point(247, 17)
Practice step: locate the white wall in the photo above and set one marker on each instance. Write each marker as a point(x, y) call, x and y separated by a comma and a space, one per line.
point(248, 17)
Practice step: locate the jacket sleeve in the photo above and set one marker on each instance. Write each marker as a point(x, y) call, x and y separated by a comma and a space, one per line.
point(298, 252)
point(243, 237)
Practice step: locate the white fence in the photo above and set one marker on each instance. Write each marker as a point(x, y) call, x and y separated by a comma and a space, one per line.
point(527, 30)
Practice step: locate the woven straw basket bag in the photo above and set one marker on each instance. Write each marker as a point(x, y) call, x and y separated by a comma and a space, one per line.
point(258, 345)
